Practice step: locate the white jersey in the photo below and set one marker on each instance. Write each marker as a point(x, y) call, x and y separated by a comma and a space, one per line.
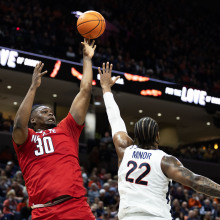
point(143, 187)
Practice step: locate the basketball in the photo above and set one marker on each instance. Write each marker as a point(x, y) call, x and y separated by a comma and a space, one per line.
point(91, 24)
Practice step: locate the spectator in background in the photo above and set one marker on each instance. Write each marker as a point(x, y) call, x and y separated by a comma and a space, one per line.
point(10, 204)
point(100, 209)
point(206, 208)
point(19, 178)
point(197, 215)
point(176, 209)
point(70, 54)
point(191, 215)
point(102, 175)
point(194, 201)
point(184, 208)
point(4, 184)
point(208, 216)
point(9, 169)
point(179, 194)
point(112, 199)
point(84, 176)
point(93, 193)
point(94, 179)
point(107, 138)
point(216, 214)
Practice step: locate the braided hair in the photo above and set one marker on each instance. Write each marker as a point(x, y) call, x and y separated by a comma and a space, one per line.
point(145, 131)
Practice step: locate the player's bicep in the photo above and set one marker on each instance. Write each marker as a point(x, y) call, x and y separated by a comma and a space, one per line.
point(20, 135)
point(175, 170)
point(121, 141)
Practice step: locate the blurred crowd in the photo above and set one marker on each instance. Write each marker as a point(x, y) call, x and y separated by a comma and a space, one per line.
point(205, 151)
point(103, 197)
point(160, 39)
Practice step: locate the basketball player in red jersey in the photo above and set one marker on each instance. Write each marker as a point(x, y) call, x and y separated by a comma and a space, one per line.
point(48, 153)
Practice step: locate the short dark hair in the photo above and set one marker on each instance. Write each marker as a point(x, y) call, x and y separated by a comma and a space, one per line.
point(145, 131)
point(34, 107)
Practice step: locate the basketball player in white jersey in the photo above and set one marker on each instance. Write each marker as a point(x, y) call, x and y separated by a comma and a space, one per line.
point(145, 172)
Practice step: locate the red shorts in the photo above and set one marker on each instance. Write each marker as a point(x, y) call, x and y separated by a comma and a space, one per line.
point(75, 208)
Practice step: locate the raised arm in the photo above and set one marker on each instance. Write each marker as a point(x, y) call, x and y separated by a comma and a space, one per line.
point(119, 132)
point(20, 130)
point(81, 102)
point(174, 170)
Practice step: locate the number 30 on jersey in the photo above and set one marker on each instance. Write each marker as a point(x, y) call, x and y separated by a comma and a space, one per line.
point(44, 145)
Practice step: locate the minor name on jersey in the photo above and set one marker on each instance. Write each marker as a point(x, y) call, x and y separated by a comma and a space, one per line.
point(141, 155)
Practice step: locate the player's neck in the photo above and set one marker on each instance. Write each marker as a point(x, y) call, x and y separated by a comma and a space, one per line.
point(149, 147)
point(44, 127)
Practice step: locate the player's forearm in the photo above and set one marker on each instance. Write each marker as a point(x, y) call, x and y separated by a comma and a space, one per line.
point(23, 114)
point(206, 186)
point(86, 82)
point(113, 112)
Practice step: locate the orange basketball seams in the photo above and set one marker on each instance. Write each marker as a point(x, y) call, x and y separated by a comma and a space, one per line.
point(91, 24)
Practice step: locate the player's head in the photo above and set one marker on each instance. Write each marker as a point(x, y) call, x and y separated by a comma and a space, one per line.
point(42, 117)
point(146, 133)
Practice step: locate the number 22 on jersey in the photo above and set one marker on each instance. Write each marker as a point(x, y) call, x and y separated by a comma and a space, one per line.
point(138, 180)
point(44, 145)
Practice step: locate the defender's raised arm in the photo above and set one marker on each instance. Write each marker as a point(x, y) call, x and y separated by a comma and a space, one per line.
point(119, 132)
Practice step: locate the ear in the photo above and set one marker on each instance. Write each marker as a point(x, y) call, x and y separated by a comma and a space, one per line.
point(32, 122)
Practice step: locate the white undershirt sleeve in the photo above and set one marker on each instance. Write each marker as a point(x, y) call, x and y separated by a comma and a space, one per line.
point(113, 112)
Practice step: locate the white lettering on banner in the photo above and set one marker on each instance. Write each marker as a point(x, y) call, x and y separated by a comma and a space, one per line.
point(4, 56)
point(208, 98)
point(169, 91)
point(195, 96)
point(20, 60)
point(30, 62)
point(215, 101)
point(202, 96)
point(11, 58)
point(177, 92)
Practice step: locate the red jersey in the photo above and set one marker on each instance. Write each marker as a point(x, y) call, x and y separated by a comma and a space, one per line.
point(50, 164)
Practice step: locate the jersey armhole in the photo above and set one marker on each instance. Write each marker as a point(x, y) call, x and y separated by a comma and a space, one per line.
point(18, 146)
point(124, 156)
point(161, 168)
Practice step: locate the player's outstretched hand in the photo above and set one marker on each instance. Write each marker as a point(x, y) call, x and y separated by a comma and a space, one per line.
point(37, 75)
point(106, 79)
point(88, 48)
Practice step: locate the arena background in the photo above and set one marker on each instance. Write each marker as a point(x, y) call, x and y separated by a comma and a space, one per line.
point(189, 124)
